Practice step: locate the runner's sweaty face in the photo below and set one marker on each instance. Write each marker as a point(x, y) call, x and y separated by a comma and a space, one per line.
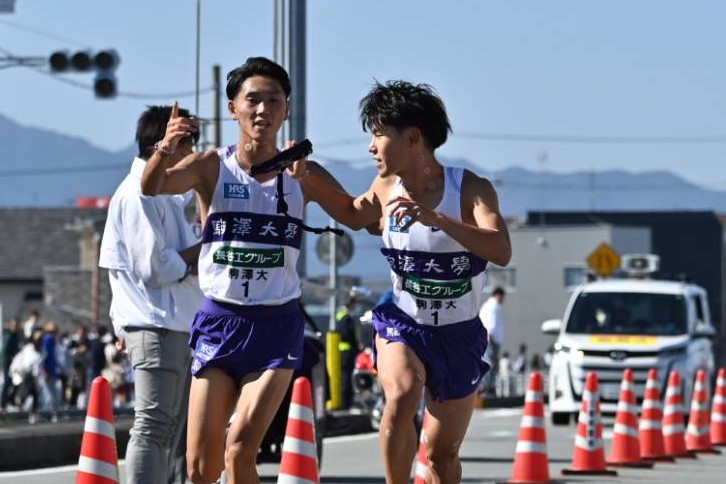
point(260, 108)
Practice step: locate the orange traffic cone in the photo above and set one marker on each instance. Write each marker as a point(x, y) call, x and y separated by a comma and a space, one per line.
point(626, 444)
point(98, 462)
point(674, 438)
point(299, 463)
point(422, 462)
point(718, 410)
point(589, 456)
point(530, 459)
point(698, 432)
point(652, 447)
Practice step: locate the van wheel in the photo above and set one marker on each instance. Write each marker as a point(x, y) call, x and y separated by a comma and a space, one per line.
point(560, 418)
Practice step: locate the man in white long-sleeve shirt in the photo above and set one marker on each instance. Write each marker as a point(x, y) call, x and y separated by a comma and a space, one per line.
point(492, 316)
point(151, 253)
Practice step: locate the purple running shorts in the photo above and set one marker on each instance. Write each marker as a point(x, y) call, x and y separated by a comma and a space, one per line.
point(452, 354)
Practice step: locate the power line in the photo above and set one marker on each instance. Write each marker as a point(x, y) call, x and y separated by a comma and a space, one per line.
point(504, 183)
point(63, 170)
point(42, 33)
point(545, 138)
point(566, 138)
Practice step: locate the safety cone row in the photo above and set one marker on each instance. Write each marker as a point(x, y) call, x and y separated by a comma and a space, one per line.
point(299, 463)
point(718, 410)
point(589, 457)
point(98, 462)
point(530, 458)
point(650, 428)
point(625, 450)
point(698, 432)
point(422, 462)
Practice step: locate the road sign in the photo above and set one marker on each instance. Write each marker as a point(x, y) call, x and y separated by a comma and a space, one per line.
point(343, 248)
point(604, 260)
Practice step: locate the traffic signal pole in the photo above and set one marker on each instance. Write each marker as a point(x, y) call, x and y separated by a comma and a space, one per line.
point(17, 61)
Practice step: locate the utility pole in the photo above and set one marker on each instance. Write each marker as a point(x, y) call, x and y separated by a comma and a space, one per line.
point(541, 160)
point(290, 52)
point(217, 108)
point(282, 50)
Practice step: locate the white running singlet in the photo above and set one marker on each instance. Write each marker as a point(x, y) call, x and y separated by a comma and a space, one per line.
point(435, 279)
point(249, 251)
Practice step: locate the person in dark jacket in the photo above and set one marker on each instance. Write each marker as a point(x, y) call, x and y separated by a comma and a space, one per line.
point(10, 347)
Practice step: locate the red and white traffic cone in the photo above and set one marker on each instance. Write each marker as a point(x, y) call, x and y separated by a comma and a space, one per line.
point(626, 444)
point(98, 462)
point(698, 432)
point(422, 462)
point(530, 458)
point(674, 438)
point(589, 457)
point(299, 463)
point(718, 410)
point(650, 428)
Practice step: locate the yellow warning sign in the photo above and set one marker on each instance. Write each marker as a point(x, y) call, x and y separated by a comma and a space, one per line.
point(604, 260)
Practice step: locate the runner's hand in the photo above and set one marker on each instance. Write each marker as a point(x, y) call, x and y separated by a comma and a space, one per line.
point(401, 207)
point(177, 128)
point(298, 169)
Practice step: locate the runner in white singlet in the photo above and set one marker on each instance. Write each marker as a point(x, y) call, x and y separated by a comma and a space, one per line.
point(440, 226)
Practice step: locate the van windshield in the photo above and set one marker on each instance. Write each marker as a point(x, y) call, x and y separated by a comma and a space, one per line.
point(628, 313)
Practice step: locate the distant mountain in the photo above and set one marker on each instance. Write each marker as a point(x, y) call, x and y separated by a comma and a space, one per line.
point(74, 168)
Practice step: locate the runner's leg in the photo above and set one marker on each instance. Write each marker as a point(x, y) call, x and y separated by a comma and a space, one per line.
point(402, 375)
point(211, 399)
point(257, 405)
point(445, 430)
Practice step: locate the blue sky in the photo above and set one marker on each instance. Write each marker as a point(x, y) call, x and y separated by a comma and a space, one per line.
point(628, 69)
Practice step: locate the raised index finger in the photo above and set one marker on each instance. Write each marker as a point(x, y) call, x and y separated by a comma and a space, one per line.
point(175, 110)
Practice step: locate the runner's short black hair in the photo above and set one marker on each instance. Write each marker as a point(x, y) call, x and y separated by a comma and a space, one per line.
point(401, 104)
point(257, 66)
point(151, 128)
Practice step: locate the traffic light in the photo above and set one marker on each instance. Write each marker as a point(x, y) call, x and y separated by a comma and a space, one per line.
point(104, 62)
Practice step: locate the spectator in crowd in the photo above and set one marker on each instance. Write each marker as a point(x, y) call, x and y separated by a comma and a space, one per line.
point(537, 364)
point(11, 342)
point(520, 362)
point(520, 368)
point(65, 367)
point(504, 376)
point(78, 349)
point(97, 354)
point(50, 375)
point(26, 370)
point(31, 324)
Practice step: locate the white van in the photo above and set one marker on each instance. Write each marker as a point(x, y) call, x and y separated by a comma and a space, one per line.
point(614, 324)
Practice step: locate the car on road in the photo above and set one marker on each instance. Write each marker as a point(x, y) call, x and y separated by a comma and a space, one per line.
point(638, 323)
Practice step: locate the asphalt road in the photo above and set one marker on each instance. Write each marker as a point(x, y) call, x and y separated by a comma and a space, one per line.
point(487, 456)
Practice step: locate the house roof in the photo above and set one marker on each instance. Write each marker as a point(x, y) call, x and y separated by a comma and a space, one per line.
point(31, 238)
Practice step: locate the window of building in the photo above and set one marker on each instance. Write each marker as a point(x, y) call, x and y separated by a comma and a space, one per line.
point(505, 277)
